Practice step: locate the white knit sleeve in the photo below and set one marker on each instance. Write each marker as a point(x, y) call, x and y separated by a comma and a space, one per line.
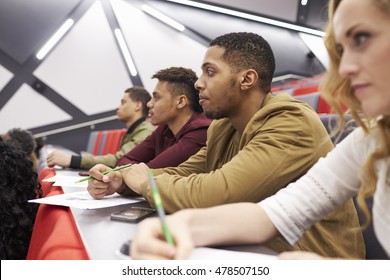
point(326, 185)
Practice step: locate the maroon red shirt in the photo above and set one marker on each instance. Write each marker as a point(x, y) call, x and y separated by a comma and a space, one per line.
point(163, 149)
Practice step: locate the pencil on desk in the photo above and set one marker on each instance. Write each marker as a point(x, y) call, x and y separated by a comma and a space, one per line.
point(160, 208)
point(106, 172)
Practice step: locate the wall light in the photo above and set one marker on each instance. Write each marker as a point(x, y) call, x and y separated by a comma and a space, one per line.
point(55, 38)
point(125, 52)
point(304, 2)
point(251, 17)
point(163, 18)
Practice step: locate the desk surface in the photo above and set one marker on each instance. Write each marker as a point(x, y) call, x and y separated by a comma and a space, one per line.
point(103, 237)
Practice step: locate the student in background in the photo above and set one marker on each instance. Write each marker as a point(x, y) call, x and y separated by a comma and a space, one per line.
point(24, 141)
point(257, 144)
point(182, 126)
point(133, 112)
point(358, 43)
point(18, 184)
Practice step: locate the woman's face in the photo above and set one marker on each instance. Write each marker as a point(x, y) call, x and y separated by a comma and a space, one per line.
point(362, 32)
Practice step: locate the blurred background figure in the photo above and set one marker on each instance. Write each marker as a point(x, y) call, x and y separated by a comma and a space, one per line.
point(18, 184)
point(24, 141)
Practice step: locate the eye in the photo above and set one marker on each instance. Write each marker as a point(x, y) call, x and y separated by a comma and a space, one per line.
point(360, 37)
point(210, 72)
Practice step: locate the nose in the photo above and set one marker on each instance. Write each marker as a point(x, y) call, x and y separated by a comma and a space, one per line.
point(199, 85)
point(149, 104)
point(348, 65)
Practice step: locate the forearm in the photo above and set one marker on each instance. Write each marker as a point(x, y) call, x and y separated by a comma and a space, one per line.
point(239, 223)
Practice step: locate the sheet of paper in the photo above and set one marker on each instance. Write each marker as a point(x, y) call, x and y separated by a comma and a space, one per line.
point(83, 200)
point(67, 180)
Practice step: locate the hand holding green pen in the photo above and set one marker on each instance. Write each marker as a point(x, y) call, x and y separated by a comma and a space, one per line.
point(160, 208)
point(106, 172)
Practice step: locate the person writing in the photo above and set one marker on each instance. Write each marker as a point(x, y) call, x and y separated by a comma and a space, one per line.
point(358, 43)
point(256, 145)
point(133, 112)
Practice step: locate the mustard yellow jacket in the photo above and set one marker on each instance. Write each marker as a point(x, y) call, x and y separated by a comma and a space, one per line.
point(279, 144)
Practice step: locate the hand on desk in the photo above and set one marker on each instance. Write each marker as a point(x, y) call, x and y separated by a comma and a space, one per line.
point(103, 185)
point(149, 242)
point(58, 158)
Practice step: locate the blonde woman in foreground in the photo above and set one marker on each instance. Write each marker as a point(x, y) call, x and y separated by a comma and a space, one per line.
point(358, 42)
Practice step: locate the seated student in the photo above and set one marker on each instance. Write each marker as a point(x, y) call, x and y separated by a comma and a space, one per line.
point(133, 112)
point(18, 184)
point(182, 126)
point(24, 141)
point(358, 43)
point(257, 144)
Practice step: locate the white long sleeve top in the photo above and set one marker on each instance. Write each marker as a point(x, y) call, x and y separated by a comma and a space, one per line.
point(328, 184)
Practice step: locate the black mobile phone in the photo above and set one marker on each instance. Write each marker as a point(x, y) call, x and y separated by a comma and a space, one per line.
point(133, 214)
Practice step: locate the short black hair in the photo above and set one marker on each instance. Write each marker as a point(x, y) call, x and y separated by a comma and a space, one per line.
point(245, 50)
point(140, 94)
point(182, 81)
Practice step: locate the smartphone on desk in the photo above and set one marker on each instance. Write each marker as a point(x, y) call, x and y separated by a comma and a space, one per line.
point(133, 214)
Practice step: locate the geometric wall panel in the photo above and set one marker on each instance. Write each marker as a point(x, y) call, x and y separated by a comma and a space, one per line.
point(317, 46)
point(28, 109)
point(86, 66)
point(154, 45)
point(5, 76)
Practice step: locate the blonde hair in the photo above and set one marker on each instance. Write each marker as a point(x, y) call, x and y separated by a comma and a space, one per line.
point(337, 91)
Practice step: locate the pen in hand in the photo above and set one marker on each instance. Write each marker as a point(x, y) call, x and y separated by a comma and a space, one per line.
point(160, 209)
point(106, 172)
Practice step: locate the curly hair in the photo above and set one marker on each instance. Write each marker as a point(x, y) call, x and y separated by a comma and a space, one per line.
point(245, 50)
point(18, 184)
point(182, 81)
point(337, 91)
point(24, 141)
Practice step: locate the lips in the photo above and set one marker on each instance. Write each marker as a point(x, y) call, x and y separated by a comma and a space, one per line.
point(359, 89)
point(202, 99)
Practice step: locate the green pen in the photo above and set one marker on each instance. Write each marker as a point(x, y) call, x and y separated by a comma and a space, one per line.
point(106, 172)
point(160, 208)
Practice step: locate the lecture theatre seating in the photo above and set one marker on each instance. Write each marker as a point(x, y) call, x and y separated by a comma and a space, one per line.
point(55, 235)
point(104, 142)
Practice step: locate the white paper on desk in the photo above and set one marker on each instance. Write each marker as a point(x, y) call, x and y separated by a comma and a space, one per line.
point(67, 181)
point(70, 181)
point(83, 200)
point(204, 253)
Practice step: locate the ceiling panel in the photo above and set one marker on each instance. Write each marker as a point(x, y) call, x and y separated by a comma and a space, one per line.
point(25, 25)
point(282, 9)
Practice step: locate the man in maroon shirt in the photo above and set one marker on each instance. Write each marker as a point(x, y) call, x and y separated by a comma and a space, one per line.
point(182, 129)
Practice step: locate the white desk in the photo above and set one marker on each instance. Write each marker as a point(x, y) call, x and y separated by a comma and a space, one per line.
point(102, 236)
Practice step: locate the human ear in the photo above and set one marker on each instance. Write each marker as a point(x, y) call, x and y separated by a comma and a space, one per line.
point(182, 101)
point(248, 79)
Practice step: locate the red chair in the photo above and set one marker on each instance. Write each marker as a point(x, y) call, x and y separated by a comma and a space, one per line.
point(306, 90)
point(323, 107)
point(113, 141)
point(55, 235)
point(99, 144)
